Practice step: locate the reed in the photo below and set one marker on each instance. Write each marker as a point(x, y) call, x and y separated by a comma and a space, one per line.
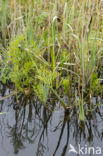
point(52, 44)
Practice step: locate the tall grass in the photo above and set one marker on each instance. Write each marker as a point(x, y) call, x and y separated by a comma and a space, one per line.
point(64, 39)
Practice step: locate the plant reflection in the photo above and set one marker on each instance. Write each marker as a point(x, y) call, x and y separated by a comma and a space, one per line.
point(33, 124)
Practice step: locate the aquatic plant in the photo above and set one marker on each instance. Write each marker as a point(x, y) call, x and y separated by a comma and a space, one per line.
point(52, 47)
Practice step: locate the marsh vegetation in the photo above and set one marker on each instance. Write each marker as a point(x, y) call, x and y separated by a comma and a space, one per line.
point(53, 48)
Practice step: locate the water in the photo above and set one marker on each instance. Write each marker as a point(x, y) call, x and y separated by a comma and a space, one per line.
point(29, 129)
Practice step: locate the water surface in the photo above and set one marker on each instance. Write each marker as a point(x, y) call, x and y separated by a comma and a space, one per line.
point(29, 129)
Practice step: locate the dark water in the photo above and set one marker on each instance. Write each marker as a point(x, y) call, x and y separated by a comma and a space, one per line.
point(29, 129)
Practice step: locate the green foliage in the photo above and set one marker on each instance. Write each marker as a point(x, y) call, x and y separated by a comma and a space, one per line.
point(95, 86)
point(46, 45)
point(64, 57)
point(4, 74)
point(42, 91)
point(3, 20)
point(81, 111)
point(41, 19)
point(43, 84)
point(66, 83)
point(21, 62)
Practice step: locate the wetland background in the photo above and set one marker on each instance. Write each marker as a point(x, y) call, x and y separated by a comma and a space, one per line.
point(51, 74)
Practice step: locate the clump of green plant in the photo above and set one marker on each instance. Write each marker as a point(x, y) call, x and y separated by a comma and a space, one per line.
point(66, 84)
point(21, 62)
point(4, 70)
point(43, 84)
point(27, 70)
point(95, 86)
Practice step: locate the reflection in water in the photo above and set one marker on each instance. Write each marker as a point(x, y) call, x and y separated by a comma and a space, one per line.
point(49, 132)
